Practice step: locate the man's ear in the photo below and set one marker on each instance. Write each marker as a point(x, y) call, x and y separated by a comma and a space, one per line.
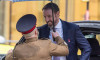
point(35, 32)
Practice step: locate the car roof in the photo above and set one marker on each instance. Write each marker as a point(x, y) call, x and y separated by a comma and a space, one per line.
point(89, 26)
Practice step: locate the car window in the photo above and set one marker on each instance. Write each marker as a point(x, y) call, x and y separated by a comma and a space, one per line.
point(90, 36)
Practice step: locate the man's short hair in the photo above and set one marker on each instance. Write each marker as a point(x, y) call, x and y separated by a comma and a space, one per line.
point(51, 6)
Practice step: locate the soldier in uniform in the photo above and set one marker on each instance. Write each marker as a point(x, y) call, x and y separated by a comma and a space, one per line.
point(34, 48)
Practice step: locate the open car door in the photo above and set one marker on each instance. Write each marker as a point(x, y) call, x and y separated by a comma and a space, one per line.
point(91, 29)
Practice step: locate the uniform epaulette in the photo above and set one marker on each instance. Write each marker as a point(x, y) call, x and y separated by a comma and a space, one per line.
point(44, 38)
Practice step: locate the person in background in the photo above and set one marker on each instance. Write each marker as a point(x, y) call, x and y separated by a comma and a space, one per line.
point(33, 48)
point(69, 32)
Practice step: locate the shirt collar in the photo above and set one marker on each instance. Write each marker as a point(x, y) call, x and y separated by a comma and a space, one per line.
point(59, 25)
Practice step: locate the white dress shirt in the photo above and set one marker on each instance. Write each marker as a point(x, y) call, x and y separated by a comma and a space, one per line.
point(59, 29)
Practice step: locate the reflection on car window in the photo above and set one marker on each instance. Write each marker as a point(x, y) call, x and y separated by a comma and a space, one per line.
point(89, 36)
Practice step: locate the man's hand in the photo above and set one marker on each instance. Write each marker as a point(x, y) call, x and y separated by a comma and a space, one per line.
point(55, 34)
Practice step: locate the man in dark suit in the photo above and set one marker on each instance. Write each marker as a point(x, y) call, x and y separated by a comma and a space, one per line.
point(68, 31)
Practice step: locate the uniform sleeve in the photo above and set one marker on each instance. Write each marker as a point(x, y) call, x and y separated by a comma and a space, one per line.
point(10, 57)
point(60, 41)
point(58, 50)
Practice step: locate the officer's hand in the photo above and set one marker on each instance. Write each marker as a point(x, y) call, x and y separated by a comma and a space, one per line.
point(55, 34)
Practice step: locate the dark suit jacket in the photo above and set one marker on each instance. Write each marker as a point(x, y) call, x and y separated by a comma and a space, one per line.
point(74, 38)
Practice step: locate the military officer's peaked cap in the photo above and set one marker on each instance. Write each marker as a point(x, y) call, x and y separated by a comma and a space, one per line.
point(26, 24)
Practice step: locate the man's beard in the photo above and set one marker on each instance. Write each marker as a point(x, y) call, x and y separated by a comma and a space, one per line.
point(50, 24)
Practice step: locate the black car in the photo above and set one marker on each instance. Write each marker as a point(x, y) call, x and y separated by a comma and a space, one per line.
point(91, 31)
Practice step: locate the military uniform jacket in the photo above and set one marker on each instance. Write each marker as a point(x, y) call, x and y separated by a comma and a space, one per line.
point(35, 49)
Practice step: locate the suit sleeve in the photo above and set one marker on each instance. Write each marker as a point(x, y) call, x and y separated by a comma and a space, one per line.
point(82, 44)
point(58, 50)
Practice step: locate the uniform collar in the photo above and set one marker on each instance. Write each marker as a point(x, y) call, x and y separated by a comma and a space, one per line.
point(31, 40)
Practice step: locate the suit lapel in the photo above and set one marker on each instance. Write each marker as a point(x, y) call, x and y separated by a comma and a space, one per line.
point(65, 30)
point(44, 31)
point(47, 31)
